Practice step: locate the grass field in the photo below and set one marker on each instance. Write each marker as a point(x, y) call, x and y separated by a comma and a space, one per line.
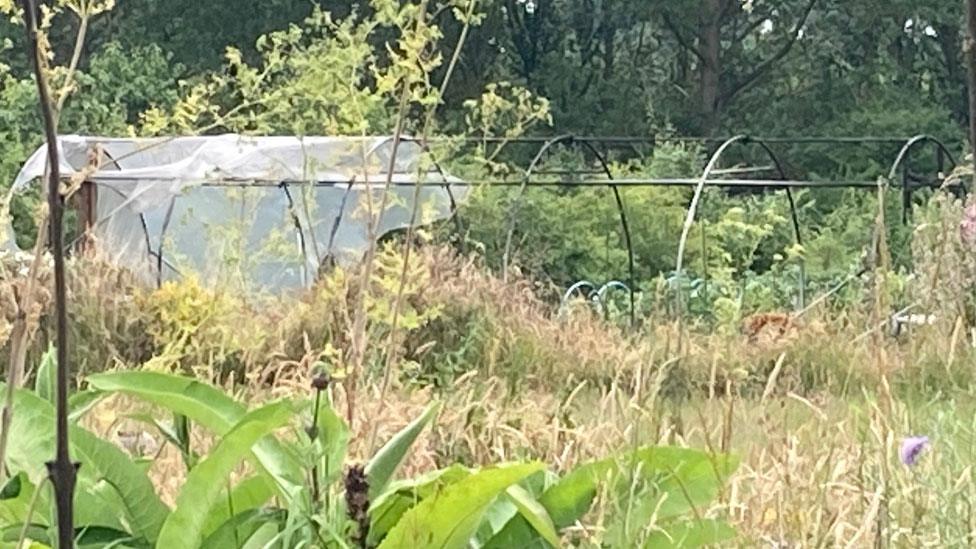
point(815, 411)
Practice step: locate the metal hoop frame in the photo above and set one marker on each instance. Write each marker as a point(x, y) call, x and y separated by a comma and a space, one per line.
point(572, 140)
point(902, 164)
point(704, 181)
point(592, 145)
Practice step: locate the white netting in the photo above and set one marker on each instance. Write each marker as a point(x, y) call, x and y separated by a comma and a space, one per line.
point(268, 209)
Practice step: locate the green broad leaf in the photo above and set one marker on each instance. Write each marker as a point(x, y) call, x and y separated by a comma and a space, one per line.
point(31, 438)
point(402, 495)
point(517, 519)
point(143, 463)
point(691, 535)
point(694, 483)
point(10, 534)
point(12, 488)
point(497, 516)
point(242, 526)
point(141, 507)
point(182, 428)
point(383, 465)
point(516, 533)
point(249, 494)
point(570, 498)
point(47, 375)
point(184, 528)
point(82, 402)
point(100, 537)
point(203, 403)
point(15, 508)
point(449, 519)
point(332, 442)
point(211, 408)
point(108, 475)
point(534, 513)
point(263, 537)
point(686, 482)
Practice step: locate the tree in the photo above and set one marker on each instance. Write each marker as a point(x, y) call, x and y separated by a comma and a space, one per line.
point(731, 44)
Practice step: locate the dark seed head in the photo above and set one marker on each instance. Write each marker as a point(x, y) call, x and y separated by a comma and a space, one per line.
point(321, 380)
point(312, 431)
point(357, 501)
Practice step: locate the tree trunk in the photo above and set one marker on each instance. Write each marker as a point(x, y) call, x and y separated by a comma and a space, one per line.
point(710, 43)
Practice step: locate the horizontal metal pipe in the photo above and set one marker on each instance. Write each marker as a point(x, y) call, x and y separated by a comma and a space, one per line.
point(677, 182)
point(627, 140)
point(674, 182)
point(743, 170)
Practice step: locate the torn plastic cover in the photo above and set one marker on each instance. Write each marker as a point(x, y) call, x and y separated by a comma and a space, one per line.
point(268, 211)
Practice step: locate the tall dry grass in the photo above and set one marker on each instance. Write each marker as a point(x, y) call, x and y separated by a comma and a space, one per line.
point(815, 411)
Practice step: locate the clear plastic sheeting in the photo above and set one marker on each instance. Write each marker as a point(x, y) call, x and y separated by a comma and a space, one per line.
point(265, 211)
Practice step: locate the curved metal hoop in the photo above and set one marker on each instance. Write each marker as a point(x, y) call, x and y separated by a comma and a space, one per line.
point(302, 244)
point(601, 294)
point(455, 214)
point(693, 210)
point(582, 284)
point(794, 215)
point(911, 144)
point(699, 191)
point(618, 199)
point(902, 159)
point(625, 227)
point(517, 203)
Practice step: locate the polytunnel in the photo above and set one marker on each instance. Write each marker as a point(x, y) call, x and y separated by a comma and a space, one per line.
point(271, 210)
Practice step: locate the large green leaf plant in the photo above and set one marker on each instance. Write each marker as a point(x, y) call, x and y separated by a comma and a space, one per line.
point(278, 475)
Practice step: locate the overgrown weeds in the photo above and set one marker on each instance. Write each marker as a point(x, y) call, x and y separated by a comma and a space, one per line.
point(800, 399)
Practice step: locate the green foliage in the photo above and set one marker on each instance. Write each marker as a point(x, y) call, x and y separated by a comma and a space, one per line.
point(653, 489)
point(383, 465)
point(492, 506)
point(189, 321)
point(113, 492)
point(588, 245)
point(326, 77)
point(209, 407)
point(201, 491)
point(119, 84)
point(448, 520)
point(47, 374)
point(331, 68)
point(620, 66)
point(697, 533)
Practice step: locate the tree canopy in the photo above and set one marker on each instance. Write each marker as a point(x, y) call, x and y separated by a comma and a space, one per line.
point(607, 66)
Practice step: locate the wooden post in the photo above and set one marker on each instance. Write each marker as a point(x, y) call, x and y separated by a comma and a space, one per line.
point(86, 202)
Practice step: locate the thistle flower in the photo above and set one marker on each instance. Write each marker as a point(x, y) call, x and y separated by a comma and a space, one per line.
point(911, 449)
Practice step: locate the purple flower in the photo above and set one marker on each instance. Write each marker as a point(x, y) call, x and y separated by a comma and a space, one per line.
point(967, 229)
point(911, 448)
